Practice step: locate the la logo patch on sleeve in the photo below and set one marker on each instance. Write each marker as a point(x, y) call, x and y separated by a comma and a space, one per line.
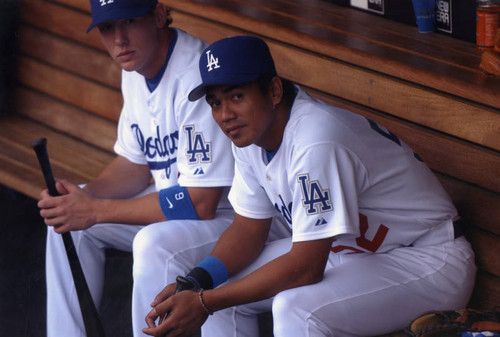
point(315, 199)
point(198, 150)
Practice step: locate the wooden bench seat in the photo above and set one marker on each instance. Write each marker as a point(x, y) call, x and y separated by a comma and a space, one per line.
point(426, 88)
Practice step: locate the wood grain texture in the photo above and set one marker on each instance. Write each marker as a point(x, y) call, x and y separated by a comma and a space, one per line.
point(422, 105)
point(75, 90)
point(66, 118)
point(479, 207)
point(487, 250)
point(71, 159)
point(486, 295)
point(432, 60)
point(442, 153)
point(73, 57)
point(60, 20)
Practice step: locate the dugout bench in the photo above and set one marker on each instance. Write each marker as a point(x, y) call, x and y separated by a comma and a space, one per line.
point(426, 88)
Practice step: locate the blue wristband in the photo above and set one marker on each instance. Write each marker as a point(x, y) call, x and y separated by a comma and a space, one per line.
point(216, 268)
point(176, 204)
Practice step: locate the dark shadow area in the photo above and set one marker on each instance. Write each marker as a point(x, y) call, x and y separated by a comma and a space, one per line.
point(9, 20)
point(22, 278)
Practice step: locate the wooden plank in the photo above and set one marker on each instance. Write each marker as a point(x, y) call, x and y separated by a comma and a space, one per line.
point(20, 176)
point(207, 30)
point(70, 56)
point(19, 168)
point(453, 157)
point(25, 156)
point(442, 153)
point(68, 119)
point(487, 249)
point(81, 5)
point(419, 105)
point(332, 41)
point(445, 113)
point(60, 20)
point(387, 34)
point(67, 154)
point(393, 42)
point(479, 207)
point(84, 94)
point(351, 22)
point(21, 171)
point(486, 295)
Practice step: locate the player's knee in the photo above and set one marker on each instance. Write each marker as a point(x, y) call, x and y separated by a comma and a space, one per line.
point(143, 241)
point(151, 238)
point(293, 316)
point(283, 302)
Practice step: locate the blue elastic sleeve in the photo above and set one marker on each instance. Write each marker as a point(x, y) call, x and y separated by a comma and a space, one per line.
point(216, 268)
point(176, 204)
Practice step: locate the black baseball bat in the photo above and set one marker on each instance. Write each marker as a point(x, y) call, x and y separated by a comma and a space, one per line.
point(91, 319)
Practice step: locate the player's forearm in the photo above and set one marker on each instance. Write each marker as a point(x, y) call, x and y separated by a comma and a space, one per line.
point(139, 211)
point(291, 270)
point(241, 243)
point(120, 179)
point(267, 282)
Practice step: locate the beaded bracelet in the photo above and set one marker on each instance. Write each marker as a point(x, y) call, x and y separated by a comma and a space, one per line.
point(200, 294)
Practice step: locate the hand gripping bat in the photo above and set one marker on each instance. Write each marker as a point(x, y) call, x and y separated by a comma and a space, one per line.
point(183, 283)
point(91, 320)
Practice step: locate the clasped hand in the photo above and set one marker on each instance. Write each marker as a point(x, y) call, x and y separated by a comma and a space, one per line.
point(185, 314)
point(72, 210)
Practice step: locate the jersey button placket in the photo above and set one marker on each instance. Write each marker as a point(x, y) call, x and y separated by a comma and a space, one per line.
point(151, 106)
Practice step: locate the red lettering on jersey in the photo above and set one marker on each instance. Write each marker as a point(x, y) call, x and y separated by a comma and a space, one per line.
point(362, 241)
point(378, 239)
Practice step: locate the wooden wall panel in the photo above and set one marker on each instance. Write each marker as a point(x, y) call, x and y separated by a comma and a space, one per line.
point(60, 20)
point(442, 153)
point(433, 60)
point(87, 95)
point(68, 119)
point(76, 58)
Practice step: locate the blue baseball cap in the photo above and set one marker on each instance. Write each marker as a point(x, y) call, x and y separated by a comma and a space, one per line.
point(109, 10)
point(233, 60)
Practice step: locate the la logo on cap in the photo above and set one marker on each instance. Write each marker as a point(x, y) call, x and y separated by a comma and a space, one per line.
point(106, 2)
point(212, 61)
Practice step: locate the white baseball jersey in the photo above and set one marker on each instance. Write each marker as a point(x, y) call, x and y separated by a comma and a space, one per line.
point(178, 139)
point(337, 174)
point(182, 144)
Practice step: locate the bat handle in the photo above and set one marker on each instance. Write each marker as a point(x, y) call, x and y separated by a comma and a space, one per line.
point(91, 319)
point(39, 145)
point(183, 283)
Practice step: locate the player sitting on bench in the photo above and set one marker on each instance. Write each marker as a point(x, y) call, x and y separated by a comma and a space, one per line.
point(374, 242)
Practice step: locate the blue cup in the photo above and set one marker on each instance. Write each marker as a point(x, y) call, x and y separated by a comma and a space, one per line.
point(425, 13)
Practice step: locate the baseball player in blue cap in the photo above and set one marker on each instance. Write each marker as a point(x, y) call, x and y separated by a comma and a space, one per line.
point(374, 239)
point(161, 137)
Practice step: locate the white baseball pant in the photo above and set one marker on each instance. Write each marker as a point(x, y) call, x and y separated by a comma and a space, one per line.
point(161, 253)
point(360, 295)
point(64, 317)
